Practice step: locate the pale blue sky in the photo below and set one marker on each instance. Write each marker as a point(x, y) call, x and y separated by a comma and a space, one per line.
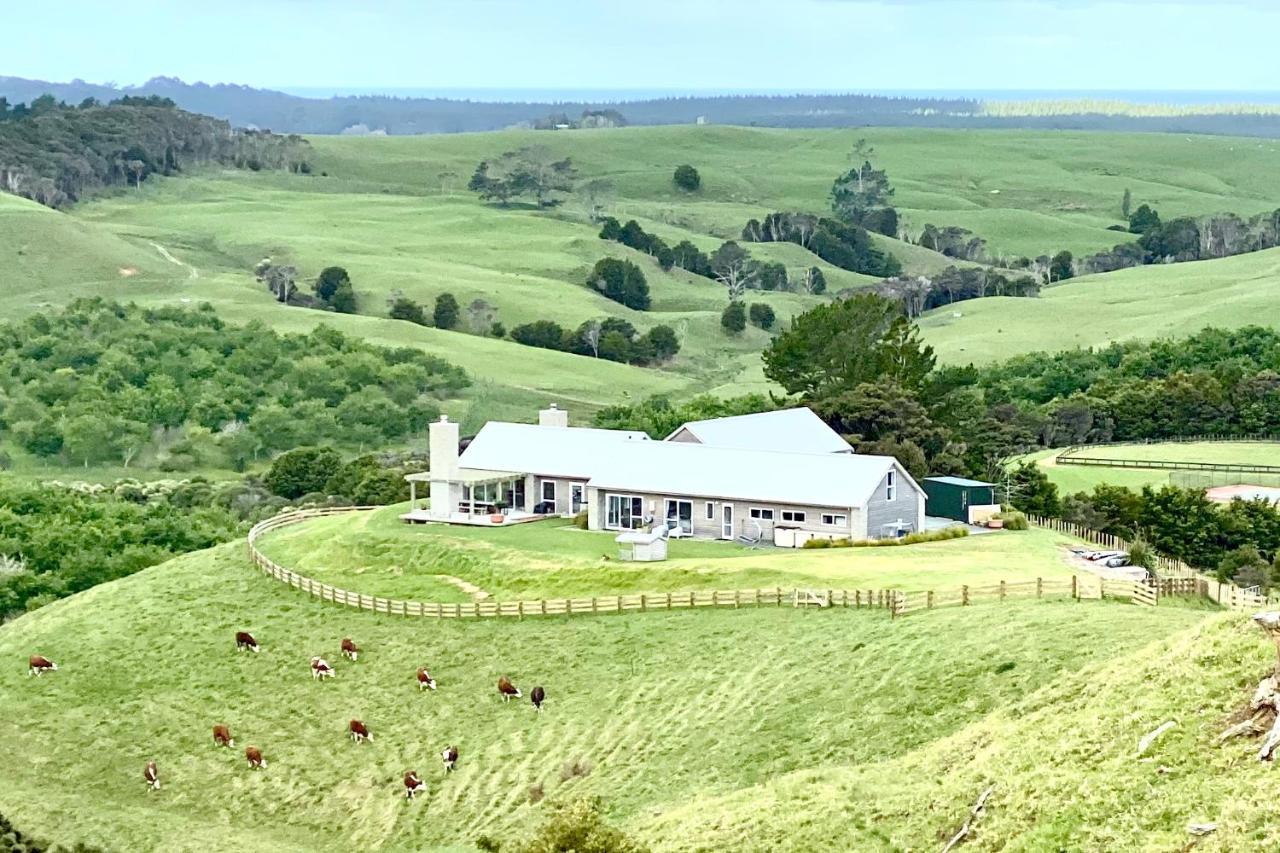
point(812, 45)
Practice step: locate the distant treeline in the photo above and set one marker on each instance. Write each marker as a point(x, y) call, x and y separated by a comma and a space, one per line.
point(53, 153)
point(244, 106)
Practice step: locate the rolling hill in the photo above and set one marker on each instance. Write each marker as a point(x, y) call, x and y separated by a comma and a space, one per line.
point(840, 716)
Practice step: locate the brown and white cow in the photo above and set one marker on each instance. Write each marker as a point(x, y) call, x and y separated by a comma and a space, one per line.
point(425, 681)
point(507, 690)
point(151, 776)
point(412, 784)
point(246, 642)
point(538, 696)
point(450, 757)
point(255, 759)
point(360, 732)
point(222, 736)
point(39, 665)
point(349, 649)
point(320, 669)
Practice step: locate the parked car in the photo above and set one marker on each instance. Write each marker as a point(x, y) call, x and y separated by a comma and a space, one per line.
point(1116, 562)
point(1095, 556)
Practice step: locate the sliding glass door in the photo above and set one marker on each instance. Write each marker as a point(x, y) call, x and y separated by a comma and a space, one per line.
point(624, 512)
point(680, 514)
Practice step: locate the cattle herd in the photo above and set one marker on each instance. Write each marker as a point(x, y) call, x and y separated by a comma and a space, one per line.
point(321, 670)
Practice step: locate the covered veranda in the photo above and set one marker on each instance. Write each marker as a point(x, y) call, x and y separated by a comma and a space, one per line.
point(471, 496)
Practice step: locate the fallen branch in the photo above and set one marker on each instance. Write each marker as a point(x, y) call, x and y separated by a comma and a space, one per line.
point(1150, 737)
point(974, 814)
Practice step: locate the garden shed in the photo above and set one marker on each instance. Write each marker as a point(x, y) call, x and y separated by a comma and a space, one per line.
point(957, 498)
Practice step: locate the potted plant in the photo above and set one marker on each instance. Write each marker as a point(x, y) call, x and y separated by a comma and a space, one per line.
point(499, 512)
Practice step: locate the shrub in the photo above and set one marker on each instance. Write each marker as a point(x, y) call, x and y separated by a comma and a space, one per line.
point(662, 339)
point(580, 520)
point(300, 471)
point(817, 543)
point(445, 314)
point(761, 315)
point(686, 178)
point(1014, 520)
point(406, 309)
point(734, 318)
point(579, 826)
point(1141, 554)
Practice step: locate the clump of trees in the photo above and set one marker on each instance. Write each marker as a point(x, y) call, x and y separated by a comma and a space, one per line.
point(530, 171)
point(403, 308)
point(954, 242)
point(611, 338)
point(621, 281)
point(54, 154)
point(104, 383)
point(659, 417)
point(589, 119)
point(633, 234)
point(333, 288)
point(862, 195)
point(446, 311)
point(840, 244)
point(687, 178)
point(918, 294)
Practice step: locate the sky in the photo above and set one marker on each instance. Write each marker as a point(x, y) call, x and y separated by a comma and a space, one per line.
point(693, 45)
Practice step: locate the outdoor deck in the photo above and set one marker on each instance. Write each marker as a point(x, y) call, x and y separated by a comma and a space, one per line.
point(423, 516)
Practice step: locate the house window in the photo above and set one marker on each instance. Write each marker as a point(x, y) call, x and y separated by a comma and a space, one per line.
point(679, 515)
point(793, 515)
point(624, 512)
point(835, 520)
point(891, 486)
point(761, 514)
point(549, 495)
point(711, 511)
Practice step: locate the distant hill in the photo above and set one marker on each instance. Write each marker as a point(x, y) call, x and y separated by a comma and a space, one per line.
point(245, 106)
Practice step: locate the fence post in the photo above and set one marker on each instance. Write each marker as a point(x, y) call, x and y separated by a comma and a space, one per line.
point(964, 595)
point(1075, 589)
point(1039, 587)
point(1002, 593)
point(929, 600)
point(778, 592)
point(737, 598)
point(595, 605)
point(857, 599)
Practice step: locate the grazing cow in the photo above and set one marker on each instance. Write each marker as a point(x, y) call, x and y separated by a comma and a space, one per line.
point(349, 649)
point(538, 696)
point(222, 736)
point(254, 756)
point(320, 669)
point(39, 665)
point(507, 689)
point(425, 681)
point(152, 776)
point(412, 784)
point(450, 758)
point(245, 640)
point(360, 732)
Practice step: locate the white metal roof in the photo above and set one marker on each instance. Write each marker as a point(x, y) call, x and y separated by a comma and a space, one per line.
point(793, 430)
point(550, 451)
point(696, 470)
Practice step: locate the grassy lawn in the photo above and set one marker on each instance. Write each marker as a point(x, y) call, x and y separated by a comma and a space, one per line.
point(377, 554)
point(1080, 478)
point(666, 709)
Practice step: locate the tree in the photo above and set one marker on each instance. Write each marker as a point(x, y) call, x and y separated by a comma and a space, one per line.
point(687, 178)
point(328, 282)
point(813, 281)
point(860, 191)
point(1144, 220)
point(590, 334)
point(1125, 204)
point(621, 281)
point(280, 280)
point(302, 471)
point(734, 318)
point(406, 309)
point(447, 178)
point(579, 827)
point(481, 316)
point(445, 314)
point(733, 268)
point(344, 299)
point(595, 195)
point(532, 170)
point(663, 341)
point(1246, 567)
point(838, 346)
point(691, 259)
point(761, 315)
point(540, 333)
point(1060, 268)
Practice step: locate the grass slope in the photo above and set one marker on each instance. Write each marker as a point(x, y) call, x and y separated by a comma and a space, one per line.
point(1141, 303)
point(1081, 478)
point(377, 554)
point(663, 707)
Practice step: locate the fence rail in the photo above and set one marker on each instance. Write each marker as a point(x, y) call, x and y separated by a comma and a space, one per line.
point(1167, 465)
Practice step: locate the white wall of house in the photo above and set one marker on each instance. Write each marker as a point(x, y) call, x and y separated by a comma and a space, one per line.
point(894, 501)
point(708, 515)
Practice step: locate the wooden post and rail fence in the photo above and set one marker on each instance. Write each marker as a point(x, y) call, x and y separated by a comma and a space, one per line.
point(898, 602)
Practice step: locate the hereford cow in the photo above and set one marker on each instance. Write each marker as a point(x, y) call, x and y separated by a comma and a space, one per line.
point(360, 732)
point(245, 640)
point(538, 696)
point(412, 784)
point(425, 681)
point(349, 649)
point(507, 689)
point(450, 758)
point(254, 756)
point(222, 736)
point(320, 669)
point(39, 665)
point(152, 776)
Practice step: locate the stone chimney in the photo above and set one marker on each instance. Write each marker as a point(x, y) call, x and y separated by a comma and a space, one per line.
point(443, 446)
point(553, 416)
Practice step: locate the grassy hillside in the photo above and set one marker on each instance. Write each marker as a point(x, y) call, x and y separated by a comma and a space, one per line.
point(663, 709)
point(1141, 303)
point(1079, 478)
point(377, 554)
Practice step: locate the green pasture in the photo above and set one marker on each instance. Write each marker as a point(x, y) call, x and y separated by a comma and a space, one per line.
point(1083, 478)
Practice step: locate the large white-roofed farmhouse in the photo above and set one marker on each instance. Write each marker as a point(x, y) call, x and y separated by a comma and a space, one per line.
point(782, 476)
